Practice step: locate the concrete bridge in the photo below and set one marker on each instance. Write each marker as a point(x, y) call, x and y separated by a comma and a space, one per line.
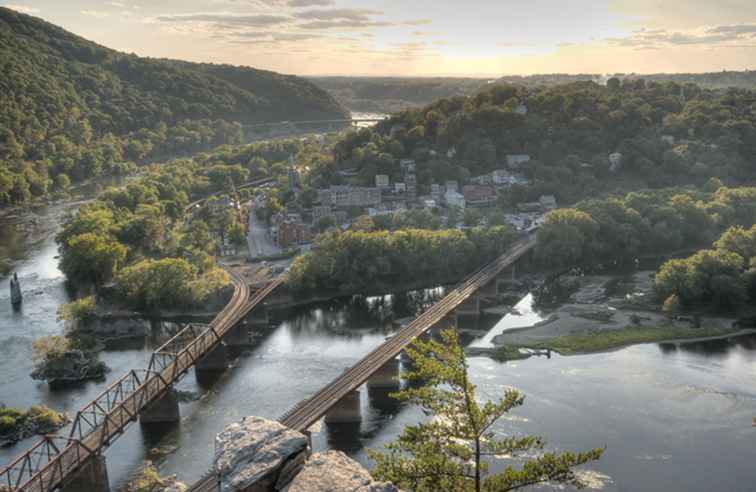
point(339, 401)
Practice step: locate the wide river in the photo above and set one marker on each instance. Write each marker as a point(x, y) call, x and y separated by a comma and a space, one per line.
point(672, 417)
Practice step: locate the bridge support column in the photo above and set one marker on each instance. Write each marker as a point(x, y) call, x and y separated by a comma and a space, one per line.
point(346, 410)
point(238, 336)
point(215, 361)
point(164, 410)
point(470, 307)
point(91, 477)
point(386, 377)
point(258, 317)
point(490, 290)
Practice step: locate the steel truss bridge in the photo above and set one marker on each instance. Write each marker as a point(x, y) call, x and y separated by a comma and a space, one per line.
point(52, 461)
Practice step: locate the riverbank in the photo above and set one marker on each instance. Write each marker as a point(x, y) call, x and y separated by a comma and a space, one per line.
point(605, 313)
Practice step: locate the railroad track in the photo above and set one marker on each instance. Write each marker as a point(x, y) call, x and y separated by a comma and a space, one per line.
point(303, 415)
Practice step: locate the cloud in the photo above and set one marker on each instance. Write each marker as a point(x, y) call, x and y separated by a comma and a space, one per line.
point(310, 3)
point(722, 36)
point(95, 13)
point(344, 24)
point(26, 9)
point(342, 14)
point(224, 19)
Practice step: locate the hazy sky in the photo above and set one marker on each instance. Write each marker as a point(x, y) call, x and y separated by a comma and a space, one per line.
point(423, 37)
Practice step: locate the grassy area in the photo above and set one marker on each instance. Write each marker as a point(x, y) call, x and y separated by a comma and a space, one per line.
point(602, 340)
point(508, 352)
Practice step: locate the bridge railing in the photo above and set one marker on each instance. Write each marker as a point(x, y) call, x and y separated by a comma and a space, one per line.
point(44, 464)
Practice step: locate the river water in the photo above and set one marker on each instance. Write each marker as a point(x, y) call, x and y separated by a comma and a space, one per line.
point(672, 417)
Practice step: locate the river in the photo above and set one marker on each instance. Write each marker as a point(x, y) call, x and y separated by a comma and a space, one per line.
point(672, 417)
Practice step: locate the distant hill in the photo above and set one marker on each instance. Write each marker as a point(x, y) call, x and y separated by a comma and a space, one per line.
point(394, 94)
point(72, 107)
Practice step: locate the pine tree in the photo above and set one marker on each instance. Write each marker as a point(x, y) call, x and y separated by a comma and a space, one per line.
point(452, 451)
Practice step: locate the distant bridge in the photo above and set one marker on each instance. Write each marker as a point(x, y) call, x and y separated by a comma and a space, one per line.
point(352, 121)
point(340, 392)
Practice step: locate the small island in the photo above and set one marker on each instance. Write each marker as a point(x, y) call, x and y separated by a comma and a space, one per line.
point(62, 361)
point(16, 425)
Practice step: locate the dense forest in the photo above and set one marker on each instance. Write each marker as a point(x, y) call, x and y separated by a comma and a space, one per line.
point(378, 261)
point(74, 110)
point(723, 277)
point(621, 229)
point(666, 134)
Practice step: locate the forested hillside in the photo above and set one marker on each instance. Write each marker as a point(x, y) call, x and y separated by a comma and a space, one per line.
point(661, 134)
point(72, 109)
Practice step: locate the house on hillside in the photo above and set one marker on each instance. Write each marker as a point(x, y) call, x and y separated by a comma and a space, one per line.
point(515, 161)
point(454, 199)
point(479, 195)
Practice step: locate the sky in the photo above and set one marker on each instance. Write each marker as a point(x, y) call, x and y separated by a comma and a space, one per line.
point(482, 38)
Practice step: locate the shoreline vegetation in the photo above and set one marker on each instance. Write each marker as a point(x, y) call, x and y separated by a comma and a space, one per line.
point(16, 425)
point(599, 341)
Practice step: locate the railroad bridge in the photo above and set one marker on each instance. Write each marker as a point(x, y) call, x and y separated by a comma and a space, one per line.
point(76, 462)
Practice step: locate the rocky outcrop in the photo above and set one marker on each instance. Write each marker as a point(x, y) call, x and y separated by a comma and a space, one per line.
point(333, 471)
point(117, 327)
point(250, 455)
point(69, 367)
point(259, 455)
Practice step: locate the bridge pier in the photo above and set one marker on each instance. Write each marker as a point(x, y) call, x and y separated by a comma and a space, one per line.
point(215, 361)
point(258, 317)
point(238, 336)
point(345, 411)
point(387, 376)
point(164, 410)
point(91, 477)
point(489, 291)
point(470, 307)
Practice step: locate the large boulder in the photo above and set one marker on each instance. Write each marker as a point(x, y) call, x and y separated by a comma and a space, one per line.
point(250, 455)
point(333, 471)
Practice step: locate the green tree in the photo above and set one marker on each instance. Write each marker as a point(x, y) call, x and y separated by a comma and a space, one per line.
point(156, 284)
point(453, 451)
point(92, 258)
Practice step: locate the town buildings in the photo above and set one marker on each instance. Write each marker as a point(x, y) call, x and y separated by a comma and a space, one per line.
point(349, 196)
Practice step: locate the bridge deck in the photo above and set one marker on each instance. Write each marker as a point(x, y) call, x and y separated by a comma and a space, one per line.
point(309, 411)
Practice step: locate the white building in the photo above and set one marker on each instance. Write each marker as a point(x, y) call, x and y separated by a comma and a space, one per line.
point(407, 165)
point(452, 186)
point(548, 202)
point(454, 198)
point(517, 160)
point(400, 187)
point(615, 162)
point(501, 177)
point(381, 181)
